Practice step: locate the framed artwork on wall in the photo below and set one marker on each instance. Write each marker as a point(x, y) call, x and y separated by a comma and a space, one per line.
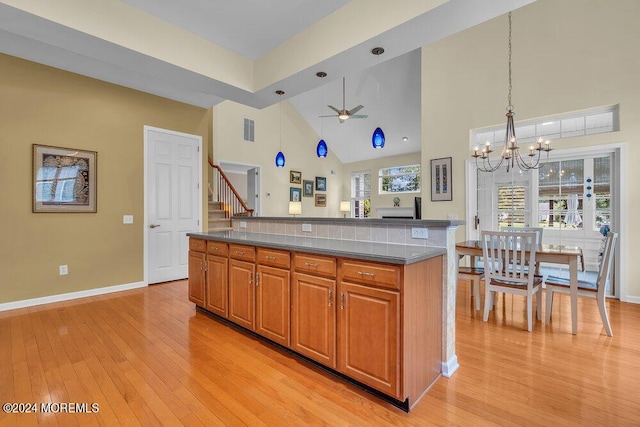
point(321, 200)
point(307, 188)
point(295, 194)
point(64, 179)
point(441, 182)
point(321, 183)
point(295, 177)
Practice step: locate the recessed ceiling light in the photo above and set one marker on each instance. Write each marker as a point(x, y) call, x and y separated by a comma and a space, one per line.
point(405, 139)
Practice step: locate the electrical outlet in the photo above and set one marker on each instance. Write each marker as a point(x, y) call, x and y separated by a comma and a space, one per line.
point(127, 219)
point(419, 233)
point(306, 228)
point(63, 269)
point(243, 224)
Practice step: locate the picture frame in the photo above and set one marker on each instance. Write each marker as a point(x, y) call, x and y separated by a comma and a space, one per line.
point(321, 183)
point(441, 181)
point(321, 200)
point(64, 179)
point(307, 188)
point(295, 194)
point(295, 177)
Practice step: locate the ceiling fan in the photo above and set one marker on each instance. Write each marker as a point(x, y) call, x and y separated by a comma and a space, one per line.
point(345, 114)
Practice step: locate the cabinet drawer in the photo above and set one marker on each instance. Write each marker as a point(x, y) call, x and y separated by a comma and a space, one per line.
point(384, 275)
point(315, 264)
point(197, 245)
point(246, 253)
point(217, 248)
point(274, 258)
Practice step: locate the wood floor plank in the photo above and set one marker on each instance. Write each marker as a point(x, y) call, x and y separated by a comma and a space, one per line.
point(149, 358)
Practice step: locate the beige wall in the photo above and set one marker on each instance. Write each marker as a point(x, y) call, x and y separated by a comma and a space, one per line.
point(43, 105)
point(373, 166)
point(567, 55)
point(298, 145)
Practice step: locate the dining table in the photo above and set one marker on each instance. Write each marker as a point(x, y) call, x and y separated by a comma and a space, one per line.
point(557, 254)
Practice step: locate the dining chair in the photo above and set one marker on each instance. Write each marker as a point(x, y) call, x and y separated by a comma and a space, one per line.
point(474, 275)
point(507, 257)
point(537, 230)
point(587, 288)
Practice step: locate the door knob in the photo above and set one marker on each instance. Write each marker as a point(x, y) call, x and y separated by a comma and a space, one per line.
point(154, 225)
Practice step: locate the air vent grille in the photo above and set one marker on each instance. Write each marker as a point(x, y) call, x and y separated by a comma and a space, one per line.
point(249, 130)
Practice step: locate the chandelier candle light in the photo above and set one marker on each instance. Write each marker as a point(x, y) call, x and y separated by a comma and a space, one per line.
point(511, 151)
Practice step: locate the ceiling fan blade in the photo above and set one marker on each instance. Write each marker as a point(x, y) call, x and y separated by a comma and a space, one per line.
point(359, 116)
point(332, 115)
point(356, 109)
point(334, 108)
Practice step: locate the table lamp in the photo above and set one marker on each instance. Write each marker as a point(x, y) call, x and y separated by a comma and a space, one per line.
point(345, 207)
point(295, 208)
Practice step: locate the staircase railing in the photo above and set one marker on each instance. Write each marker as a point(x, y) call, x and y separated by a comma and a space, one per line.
point(227, 194)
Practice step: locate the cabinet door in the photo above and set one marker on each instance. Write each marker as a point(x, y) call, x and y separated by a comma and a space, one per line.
point(272, 304)
point(369, 330)
point(217, 285)
point(197, 277)
point(313, 318)
point(242, 293)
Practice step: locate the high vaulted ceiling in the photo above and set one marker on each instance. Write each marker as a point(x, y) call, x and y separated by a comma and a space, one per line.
point(202, 52)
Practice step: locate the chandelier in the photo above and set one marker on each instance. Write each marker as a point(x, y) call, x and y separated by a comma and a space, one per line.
point(511, 151)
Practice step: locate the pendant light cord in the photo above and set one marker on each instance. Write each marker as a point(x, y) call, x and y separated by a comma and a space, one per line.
point(509, 105)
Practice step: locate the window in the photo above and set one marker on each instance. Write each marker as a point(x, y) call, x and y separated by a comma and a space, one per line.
point(511, 206)
point(399, 179)
point(361, 194)
point(575, 193)
point(588, 122)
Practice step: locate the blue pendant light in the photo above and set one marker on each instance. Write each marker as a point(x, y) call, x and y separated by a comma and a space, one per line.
point(377, 139)
point(321, 149)
point(280, 155)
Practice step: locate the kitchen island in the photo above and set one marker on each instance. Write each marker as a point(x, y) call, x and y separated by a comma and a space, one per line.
point(371, 312)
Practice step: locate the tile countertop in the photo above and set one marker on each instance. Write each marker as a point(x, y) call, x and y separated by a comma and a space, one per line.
point(371, 251)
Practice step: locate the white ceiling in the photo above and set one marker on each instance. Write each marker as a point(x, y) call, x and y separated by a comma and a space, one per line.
point(388, 86)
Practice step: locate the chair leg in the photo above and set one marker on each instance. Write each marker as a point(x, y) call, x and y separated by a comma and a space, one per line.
point(539, 304)
point(529, 312)
point(547, 310)
point(605, 317)
point(488, 302)
point(476, 292)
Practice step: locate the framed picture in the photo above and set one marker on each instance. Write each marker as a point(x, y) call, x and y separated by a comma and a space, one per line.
point(307, 188)
point(321, 200)
point(295, 177)
point(295, 194)
point(64, 179)
point(321, 183)
point(441, 183)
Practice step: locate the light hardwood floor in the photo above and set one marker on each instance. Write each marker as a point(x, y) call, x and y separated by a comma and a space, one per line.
point(148, 358)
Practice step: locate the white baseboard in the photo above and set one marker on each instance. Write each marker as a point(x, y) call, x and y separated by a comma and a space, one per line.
point(450, 366)
point(69, 296)
point(634, 300)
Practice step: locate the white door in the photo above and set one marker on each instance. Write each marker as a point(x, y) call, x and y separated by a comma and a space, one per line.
point(173, 201)
point(253, 190)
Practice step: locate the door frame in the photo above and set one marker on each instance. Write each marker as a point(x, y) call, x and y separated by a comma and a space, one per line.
point(244, 168)
point(620, 214)
point(145, 232)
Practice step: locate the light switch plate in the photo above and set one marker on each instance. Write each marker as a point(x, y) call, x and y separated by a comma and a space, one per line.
point(243, 224)
point(63, 269)
point(306, 228)
point(127, 219)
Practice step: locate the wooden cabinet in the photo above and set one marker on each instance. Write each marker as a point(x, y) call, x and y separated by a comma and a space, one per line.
point(377, 323)
point(369, 330)
point(197, 277)
point(313, 318)
point(241, 293)
point(217, 285)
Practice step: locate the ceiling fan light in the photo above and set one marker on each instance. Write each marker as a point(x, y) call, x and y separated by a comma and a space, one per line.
point(343, 116)
point(377, 139)
point(280, 159)
point(321, 149)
